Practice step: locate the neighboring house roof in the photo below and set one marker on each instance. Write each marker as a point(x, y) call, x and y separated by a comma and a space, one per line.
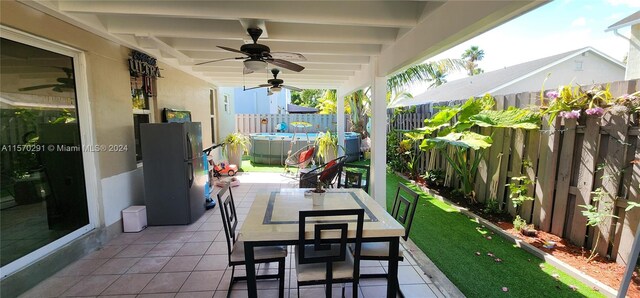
point(489, 82)
point(628, 21)
point(296, 109)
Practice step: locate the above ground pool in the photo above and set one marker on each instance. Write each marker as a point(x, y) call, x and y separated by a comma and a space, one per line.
point(272, 148)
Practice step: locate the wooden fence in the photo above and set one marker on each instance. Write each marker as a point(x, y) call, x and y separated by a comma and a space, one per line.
point(254, 123)
point(567, 160)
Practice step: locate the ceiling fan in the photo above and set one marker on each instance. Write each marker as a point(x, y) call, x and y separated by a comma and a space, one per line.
point(275, 85)
point(258, 55)
point(64, 83)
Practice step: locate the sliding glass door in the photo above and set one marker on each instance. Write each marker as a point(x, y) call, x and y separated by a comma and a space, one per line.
point(43, 196)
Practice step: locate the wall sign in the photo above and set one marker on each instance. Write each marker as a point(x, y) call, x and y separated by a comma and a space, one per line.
point(141, 64)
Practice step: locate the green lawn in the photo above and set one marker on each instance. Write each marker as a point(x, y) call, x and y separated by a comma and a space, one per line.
point(451, 240)
point(248, 166)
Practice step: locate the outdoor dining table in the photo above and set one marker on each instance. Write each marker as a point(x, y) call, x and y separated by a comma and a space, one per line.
point(273, 220)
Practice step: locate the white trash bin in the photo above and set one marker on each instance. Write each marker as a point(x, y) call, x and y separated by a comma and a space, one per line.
point(134, 219)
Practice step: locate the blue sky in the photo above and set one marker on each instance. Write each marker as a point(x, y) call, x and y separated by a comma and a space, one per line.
point(557, 27)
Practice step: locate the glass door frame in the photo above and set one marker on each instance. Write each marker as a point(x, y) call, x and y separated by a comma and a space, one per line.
point(87, 137)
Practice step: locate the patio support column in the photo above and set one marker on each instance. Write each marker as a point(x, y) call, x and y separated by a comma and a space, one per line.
point(340, 121)
point(378, 137)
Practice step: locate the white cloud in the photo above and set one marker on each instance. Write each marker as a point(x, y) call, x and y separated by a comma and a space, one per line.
point(630, 3)
point(581, 21)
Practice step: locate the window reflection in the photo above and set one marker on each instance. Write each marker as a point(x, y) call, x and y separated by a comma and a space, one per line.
point(42, 189)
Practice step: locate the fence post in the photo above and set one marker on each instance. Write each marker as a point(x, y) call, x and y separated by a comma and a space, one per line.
point(617, 127)
point(549, 143)
point(564, 177)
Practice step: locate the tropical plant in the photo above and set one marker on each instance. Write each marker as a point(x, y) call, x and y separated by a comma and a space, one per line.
point(518, 191)
point(327, 146)
point(425, 72)
point(569, 101)
point(471, 55)
point(236, 144)
point(410, 151)
point(519, 224)
point(359, 105)
point(434, 177)
point(306, 97)
point(460, 145)
point(597, 213)
point(327, 104)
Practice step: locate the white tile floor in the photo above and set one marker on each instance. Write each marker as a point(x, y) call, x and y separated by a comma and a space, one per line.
point(191, 261)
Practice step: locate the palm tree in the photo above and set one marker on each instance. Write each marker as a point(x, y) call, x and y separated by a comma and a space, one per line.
point(425, 72)
point(472, 54)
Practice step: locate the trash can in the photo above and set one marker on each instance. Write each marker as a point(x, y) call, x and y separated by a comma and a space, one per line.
point(134, 219)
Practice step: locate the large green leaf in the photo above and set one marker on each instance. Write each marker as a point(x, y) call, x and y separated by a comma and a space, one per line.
point(465, 139)
point(443, 116)
point(474, 106)
point(512, 118)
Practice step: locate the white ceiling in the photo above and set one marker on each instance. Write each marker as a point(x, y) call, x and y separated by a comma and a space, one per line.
point(339, 38)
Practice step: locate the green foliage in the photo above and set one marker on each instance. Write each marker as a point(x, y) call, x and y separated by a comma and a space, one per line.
point(570, 98)
point(471, 55)
point(434, 177)
point(518, 191)
point(519, 224)
point(236, 141)
point(511, 118)
point(327, 104)
point(359, 106)
point(307, 97)
point(462, 147)
point(465, 140)
point(411, 151)
point(491, 206)
point(395, 161)
point(434, 71)
point(326, 143)
point(597, 213)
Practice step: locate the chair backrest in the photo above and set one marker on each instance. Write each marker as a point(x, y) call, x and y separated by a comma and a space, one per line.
point(331, 170)
point(307, 154)
point(404, 207)
point(353, 176)
point(229, 216)
point(330, 249)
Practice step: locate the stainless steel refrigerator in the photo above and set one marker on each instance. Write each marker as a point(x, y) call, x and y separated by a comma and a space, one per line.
point(174, 175)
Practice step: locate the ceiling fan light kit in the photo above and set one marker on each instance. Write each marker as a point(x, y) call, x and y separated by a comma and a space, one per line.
point(275, 89)
point(255, 65)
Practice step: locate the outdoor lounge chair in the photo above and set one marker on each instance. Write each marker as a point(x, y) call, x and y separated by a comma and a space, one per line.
point(300, 159)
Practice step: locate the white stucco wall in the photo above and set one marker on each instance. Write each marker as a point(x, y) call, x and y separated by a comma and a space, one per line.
point(119, 179)
point(633, 60)
point(595, 69)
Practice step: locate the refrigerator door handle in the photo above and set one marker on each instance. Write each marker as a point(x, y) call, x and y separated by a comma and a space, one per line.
point(189, 147)
point(191, 176)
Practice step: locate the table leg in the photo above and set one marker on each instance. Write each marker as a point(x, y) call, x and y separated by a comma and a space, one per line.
point(251, 270)
point(392, 284)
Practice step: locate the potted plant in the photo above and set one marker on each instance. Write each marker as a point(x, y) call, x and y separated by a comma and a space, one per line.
point(327, 146)
point(317, 194)
point(236, 144)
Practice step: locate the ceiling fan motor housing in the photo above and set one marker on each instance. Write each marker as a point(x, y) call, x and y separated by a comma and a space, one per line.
point(275, 82)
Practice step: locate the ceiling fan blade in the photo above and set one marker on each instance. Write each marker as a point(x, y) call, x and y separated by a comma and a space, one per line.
point(291, 88)
point(38, 87)
point(66, 81)
point(265, 85)
point(286, 64)
point(256, 87)
point(217, 60)
point(232, 50)
point(288, 56)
